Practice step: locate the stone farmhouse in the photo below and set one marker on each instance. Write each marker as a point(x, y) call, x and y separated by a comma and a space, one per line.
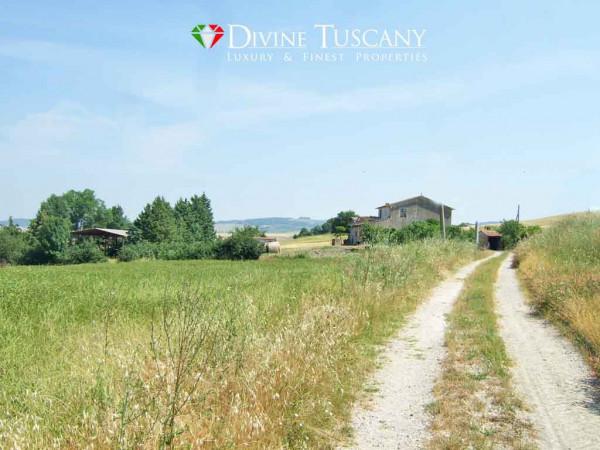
point(400, 214)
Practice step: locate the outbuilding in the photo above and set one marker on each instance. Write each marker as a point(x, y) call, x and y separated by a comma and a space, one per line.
point(490, 239)
point(110, 237)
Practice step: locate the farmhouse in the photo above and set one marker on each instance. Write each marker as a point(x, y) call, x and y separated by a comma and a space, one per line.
point(400, 214)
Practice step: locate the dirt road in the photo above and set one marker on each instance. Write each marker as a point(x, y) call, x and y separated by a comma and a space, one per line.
point(396, 417)
point(549, 374)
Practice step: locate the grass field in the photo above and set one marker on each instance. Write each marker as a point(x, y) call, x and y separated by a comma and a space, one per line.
point(261, 354)
point(475, 406)
point(561, 270)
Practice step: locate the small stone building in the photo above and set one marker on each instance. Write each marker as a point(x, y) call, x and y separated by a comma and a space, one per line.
point(490, 239)
point(355, 233)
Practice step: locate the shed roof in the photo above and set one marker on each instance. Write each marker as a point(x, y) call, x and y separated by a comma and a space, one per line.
point(490, 233)
point(360, 220)
point(101, 232)
point(419, 200)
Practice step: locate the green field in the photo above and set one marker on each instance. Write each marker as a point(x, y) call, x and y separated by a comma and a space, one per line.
point(261, 354)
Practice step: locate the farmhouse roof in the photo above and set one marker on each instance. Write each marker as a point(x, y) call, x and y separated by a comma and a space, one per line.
point(101, 232)
point(419, 199)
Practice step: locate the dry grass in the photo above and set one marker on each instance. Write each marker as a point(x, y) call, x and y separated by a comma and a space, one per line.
point(561, 271)
point(475, 406)
point(305, 243)
point(201, 354)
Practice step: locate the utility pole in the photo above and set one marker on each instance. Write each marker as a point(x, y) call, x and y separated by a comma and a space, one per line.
point(477, 234)
point(518, 212)
point(443, 223)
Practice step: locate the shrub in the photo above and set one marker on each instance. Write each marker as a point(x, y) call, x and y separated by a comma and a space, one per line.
point(415, 231)
point(184, 250)
point(14, 245)
point(242, 244)
point(167, 250)
point(86, 251)
point(131, 252)
point(513, 232)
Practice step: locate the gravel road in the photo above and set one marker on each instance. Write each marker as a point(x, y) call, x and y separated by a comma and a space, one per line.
point(396, 417)
point(549, 373)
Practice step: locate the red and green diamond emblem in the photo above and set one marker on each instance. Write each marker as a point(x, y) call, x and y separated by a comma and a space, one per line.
point(208, 35)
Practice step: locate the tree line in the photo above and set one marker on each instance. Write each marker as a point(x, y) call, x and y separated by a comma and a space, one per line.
point(338, 225)
point(161, 231)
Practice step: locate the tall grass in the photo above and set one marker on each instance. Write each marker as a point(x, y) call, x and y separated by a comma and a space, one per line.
point(213, 354)
point(561, 269)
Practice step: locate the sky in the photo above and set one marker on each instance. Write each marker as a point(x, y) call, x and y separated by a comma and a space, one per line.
point(118, 97)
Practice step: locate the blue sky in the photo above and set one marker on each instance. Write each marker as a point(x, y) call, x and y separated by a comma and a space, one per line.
point(118, 97)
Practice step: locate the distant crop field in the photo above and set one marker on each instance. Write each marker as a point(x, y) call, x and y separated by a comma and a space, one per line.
point(261, 354)
point(561, 269)
point(306, 243)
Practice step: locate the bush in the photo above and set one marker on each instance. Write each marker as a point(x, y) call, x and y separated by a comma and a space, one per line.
point(415, 231)
point(131, 252)
point(513, 232)
point(167, 251)
point(86, 251)
point(242, 244)
point(14, 245)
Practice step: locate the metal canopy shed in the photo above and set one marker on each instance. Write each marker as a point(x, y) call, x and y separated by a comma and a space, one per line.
point(110, 237)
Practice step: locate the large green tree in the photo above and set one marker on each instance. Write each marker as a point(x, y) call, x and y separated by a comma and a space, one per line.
point(53, 234)
point(156, 223)
point(195, 219)
point(81, 208)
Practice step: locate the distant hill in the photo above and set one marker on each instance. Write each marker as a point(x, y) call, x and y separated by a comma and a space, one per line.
point(269, 224)
point(20, 222)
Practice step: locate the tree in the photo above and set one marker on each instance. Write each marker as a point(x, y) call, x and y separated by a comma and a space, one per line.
point(512, 232)
point(53, 234)
point(195, 219)
point(303, 232)
point(14, 244)
point(157, 222)
point(182, 211)
point(207, 218)
point(343, 219)
point(339, 231)
point(116, 219)
point(80, 208)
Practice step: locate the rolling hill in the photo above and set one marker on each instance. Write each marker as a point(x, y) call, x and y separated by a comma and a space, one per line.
point(269, 224)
